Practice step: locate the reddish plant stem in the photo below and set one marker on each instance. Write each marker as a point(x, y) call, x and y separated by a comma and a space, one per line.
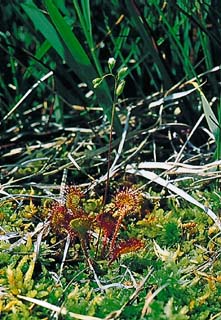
point(117, 228)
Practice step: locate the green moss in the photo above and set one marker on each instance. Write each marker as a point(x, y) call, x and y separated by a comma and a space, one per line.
point(186, 265)
point(171, 234)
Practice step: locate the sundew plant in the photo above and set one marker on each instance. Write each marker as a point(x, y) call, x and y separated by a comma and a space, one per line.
point(110, 160)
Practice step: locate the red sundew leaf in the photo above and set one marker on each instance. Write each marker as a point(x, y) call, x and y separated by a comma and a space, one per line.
point(73, 196)
point(127, 246)
point(127, 200)
point(58, 214)
point(107, 223)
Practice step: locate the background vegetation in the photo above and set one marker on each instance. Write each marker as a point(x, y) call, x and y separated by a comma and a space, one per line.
point(110, 96)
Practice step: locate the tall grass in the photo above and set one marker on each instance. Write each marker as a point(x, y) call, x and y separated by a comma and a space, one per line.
point(163, 43)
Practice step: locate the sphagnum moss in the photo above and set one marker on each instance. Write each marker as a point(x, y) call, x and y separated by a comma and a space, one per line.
point(185, 267)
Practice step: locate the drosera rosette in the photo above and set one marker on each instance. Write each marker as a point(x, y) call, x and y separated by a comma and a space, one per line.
point(69, 218)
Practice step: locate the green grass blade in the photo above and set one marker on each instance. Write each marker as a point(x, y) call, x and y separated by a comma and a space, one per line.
point(148, 44)
point(70, 39)
point(42, 50)
point(173, 33)
point(40, 53)
point(218, 136)
point(42, 24)
point(84, 16)
point(86, 9)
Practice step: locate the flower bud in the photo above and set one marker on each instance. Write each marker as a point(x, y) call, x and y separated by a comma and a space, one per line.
point(120, 87)
point(111, 63)
point(96, 82)
point(122, 72)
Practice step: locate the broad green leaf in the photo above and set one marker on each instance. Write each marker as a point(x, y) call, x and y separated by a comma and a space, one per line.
point(42, 24)
point(68, 37)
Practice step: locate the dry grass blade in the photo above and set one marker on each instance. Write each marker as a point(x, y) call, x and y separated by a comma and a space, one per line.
point(181, 168)
point(149, 298)
point(189, 137)
point(67, 245)
point(172, 96)
point(123, 138)
point(63, 311)
point(114, 167)
point(209, 114)
point(45, 77)
point(40, 230)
